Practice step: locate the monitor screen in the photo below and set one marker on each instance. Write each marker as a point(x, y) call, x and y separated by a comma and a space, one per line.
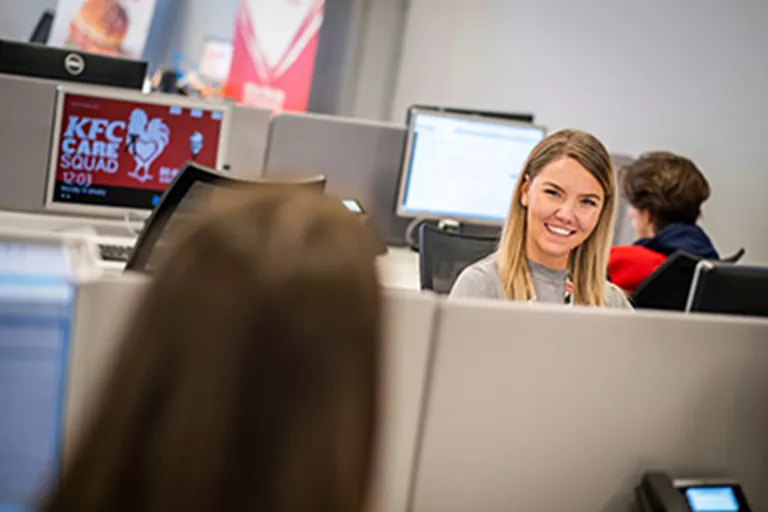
point(712, 499)
point(113, 154)
point(352, 205)
point(463, 167)
point(36, 308)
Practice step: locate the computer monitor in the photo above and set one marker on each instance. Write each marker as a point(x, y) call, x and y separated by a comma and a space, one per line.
point(39, 61)
point(728, 289)
point(462, 167)
point(196, 190)
point(523, 117)
point(36, 319)
point(113, 153)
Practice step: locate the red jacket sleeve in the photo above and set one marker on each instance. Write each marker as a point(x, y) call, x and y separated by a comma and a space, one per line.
point(629, 265)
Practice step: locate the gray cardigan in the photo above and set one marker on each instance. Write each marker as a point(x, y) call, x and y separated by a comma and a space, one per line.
point(481, 280)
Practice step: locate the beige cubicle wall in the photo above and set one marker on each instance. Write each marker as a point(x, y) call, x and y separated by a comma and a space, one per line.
point(551, 409)
point(501, 406)
point(408, 323)
point(103, 310)
point(360, 158)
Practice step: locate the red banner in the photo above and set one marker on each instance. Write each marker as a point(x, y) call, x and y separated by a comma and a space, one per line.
point(274, 51)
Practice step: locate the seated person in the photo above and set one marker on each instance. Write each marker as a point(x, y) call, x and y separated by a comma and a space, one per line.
point(665, 193)
point(555, 242)
point(249, 377)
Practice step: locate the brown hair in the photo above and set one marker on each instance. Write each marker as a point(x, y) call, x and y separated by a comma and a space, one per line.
point(669, 187)
point(249, 378)
point(588, 262)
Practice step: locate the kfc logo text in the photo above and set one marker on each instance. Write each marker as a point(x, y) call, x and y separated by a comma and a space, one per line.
point(92, 144)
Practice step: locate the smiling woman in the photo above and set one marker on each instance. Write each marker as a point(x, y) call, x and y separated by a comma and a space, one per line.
point(558, 233)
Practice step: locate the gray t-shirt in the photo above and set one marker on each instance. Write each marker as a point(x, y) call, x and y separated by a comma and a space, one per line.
point(481, 281)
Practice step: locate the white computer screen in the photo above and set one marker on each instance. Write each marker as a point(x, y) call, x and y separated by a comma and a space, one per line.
point(463, 167)
point(36, 316)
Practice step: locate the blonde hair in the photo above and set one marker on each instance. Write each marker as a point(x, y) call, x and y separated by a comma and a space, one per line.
point(588, 262)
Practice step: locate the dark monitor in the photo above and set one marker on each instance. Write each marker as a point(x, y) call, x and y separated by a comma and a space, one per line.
point(43, 28)
point(522, 117)
point(36, 319)
point(39, 61)
point(195, 190)
point(729, 289)
point(116, 152)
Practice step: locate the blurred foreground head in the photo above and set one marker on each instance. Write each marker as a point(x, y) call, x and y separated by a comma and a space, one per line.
point(249, 378)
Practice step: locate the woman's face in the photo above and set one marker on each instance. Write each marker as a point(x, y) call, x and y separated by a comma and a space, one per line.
point(563, 204)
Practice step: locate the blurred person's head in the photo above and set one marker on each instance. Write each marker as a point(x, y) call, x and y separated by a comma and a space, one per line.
point(248, 380)
point(561, 217)
point(662, 189)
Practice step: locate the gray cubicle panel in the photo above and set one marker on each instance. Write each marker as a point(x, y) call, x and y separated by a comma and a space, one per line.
point(247, 145)
point(360, 158)
point(623, 232)
point(26, 129)
point(546, 409)
point(408, 321)
point(103, 309)
point(26, 125)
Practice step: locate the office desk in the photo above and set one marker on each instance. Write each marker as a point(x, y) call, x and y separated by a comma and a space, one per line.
point(398, 269)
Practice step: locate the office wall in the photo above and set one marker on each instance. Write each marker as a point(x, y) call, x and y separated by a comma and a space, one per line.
point(183, 25)
point(179, 25)
point(686, 76)
point(357, 58)
point(379, 57)
point(356, 63)
point(19, 17)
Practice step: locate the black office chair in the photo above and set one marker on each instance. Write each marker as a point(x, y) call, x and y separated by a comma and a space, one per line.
point(667, 287)
point(734, 258)
point(444, 254)
point(729, 289)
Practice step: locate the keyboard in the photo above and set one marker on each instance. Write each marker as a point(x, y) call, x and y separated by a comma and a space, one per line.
point(111, 252)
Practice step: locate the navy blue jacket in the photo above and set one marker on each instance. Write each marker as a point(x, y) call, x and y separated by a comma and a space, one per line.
point(681, 237)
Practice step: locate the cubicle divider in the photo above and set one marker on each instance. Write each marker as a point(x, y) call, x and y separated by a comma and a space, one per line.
point(550, 409)
point(408, 322)
point(623, 232)
point(26, 125)
point(103, 309)
point(512, 406)
point(360, 158)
